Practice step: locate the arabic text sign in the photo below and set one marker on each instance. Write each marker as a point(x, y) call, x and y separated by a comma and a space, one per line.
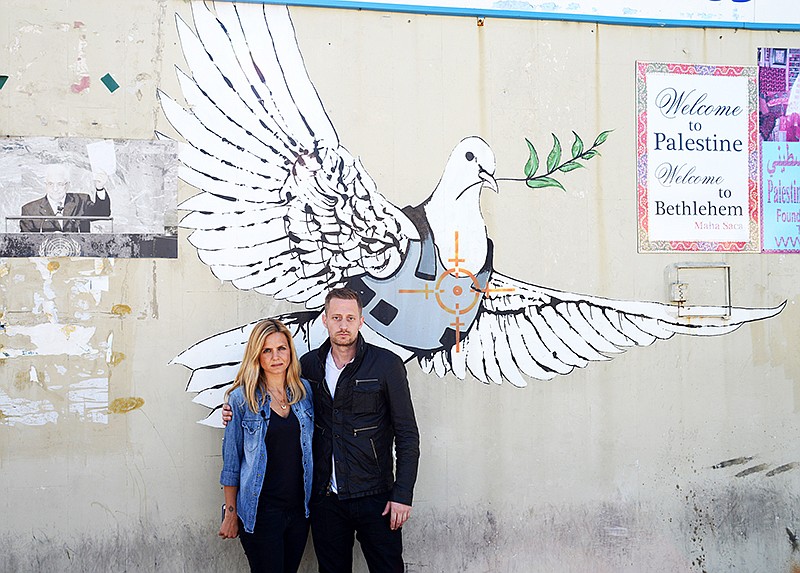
point(697, 158)
point(780, 201)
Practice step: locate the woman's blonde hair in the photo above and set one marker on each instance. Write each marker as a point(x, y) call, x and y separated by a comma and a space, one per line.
point(250, 374)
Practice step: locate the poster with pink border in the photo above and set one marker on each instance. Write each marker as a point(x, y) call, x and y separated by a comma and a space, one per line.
point(697, 158)
point(779, 112)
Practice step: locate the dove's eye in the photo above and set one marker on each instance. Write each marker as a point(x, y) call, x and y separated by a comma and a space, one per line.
point(470, 156)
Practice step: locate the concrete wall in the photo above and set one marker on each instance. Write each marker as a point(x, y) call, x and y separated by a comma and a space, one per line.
point(613, 468)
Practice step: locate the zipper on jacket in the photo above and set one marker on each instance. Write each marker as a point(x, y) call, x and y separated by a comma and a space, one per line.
point(374, 453)
point(357, 430)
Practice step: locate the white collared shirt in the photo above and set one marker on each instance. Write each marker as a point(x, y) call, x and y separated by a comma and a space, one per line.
point(332, 373)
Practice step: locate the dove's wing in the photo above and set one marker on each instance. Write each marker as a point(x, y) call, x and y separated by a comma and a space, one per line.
point(541, 332)
point(284, 209)
point(215, 360)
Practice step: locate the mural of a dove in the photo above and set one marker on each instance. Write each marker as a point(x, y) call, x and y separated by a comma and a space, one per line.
point(287, 211)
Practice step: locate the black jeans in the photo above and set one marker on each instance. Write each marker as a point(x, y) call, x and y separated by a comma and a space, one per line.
point(335, 521)
point(277, 542)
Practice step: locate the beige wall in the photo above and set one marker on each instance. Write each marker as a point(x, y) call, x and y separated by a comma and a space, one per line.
point(608, 469)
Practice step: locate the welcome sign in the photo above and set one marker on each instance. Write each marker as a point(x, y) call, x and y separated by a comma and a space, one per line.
point(697, 169)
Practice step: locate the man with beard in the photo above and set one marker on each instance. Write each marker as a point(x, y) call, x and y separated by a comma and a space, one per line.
point(362, 408)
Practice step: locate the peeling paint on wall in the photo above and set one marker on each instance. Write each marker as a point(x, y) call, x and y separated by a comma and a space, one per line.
point(51, 339)
point(28, 412)
point(80, 67)
point(83, 84)
point(49, 328)
point(89, 399)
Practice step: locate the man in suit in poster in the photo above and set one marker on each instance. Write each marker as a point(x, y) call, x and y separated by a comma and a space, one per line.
point(59, 202)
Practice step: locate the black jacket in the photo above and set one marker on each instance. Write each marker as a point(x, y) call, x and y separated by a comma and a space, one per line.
point(371, 412)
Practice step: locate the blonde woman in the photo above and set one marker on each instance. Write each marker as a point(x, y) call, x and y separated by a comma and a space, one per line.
point(266, 453)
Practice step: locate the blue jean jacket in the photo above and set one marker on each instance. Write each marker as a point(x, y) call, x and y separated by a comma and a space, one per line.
point(244, 451)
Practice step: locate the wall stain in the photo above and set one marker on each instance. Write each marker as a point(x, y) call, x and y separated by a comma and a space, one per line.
point(22, 380)
point(781, 469)
point(125, 405)
point(53, 266)
point(154, 301)
point(795, 566)
point(792, 539)
point(701, 524)
point(116, 358)
point(752, 470)
point(120, 309)
point(733, 462)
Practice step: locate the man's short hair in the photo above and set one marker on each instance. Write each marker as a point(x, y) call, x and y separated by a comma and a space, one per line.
point(343, 294)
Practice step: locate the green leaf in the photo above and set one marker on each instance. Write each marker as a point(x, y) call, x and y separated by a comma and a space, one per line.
point(589, 154)
point(602, 138)
point(533, 161)
point(541, 182)
point(577, 146)
point(555, 155)
point(569, 166)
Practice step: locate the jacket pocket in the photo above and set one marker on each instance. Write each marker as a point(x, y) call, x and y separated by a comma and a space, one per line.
point(356, 431)
point(300, 410)
point(364, 453)
point(251, 434)
point(365, 396)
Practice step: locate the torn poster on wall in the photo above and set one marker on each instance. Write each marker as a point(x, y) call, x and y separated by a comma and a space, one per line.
point(82, 197)
point(287, 211)
point(779, 121)
point(697, 150)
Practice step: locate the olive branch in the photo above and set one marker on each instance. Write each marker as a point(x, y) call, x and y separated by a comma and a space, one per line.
point(554, 161)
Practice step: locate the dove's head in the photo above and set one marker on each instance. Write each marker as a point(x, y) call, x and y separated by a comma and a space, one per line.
point(469, 169)
point(454, 211)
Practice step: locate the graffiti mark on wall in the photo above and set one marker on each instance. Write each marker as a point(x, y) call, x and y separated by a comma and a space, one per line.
point(767, 469)
point(284, 209)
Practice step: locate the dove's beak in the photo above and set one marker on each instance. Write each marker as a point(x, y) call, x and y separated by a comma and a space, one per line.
point(488, 180)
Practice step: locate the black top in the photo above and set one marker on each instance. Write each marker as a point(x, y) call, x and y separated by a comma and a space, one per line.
point(283, 480)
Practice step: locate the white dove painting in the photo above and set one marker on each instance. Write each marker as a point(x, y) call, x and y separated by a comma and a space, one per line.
point(286, 210)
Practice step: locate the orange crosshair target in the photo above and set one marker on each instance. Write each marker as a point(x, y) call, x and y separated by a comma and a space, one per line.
point(457, 291)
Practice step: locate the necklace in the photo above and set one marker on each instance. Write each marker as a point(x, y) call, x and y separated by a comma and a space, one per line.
point(281, 403)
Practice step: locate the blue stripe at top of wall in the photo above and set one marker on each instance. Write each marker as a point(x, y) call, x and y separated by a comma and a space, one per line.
point(529, 15)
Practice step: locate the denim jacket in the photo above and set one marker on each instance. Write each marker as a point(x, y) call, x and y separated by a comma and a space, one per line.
point(244, 451)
